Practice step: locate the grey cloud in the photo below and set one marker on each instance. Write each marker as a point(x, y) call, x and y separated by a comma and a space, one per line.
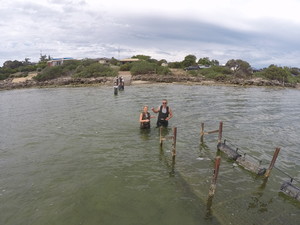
point(73, 29)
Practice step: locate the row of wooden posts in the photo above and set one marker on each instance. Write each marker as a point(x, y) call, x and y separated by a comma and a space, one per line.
point(173, 137)
point(246, 162)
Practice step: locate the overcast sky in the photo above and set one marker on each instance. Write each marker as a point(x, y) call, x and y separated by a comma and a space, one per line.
point(261, 32)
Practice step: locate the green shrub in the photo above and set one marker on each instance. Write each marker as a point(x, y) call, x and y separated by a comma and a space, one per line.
point(293, 79)
point(49, 73)
point(194, 73)
point(126, 67)
point(221, 69)
point(175, 65)
point(28, 68)
point(143, 67)
point(87, 62)
point(95, 70)
point(70, 64)
point(276, 73)
point(69, 67)
point(3, 76)
point(5, 72)
point(162, 70)
point(217, 73)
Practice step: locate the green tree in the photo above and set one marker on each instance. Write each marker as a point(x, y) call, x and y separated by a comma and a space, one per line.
point(207, 62)
point(204, 61)
point(12, 64)
point(189, 60)
point(215, 62)
point(26, 62)
point(43, 58)
point(240, 68)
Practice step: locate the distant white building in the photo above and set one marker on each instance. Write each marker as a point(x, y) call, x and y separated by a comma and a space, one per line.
point(104, 60)
point(57, 61)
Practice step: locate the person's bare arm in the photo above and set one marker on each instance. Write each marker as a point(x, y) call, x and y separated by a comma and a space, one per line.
point(170, 114)
point(155, 110)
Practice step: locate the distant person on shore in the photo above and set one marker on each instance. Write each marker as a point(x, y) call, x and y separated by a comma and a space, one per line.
point(164, 114)
point(117, 80)
point(121, 83)
point(145, 118)
point(115, 88)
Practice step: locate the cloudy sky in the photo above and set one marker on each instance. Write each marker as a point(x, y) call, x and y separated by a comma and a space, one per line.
point(261, 32)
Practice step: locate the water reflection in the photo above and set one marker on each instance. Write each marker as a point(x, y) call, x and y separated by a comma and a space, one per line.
point(257, 202)
point(145, 134)
point(205, 152)
point(166, 149)
point(209, 212)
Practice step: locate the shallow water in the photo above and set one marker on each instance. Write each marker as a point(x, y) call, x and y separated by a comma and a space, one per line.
point(77, 156)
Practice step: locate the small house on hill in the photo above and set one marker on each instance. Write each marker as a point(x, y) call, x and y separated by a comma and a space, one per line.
point(57, 61)
point(123, 61)
point(104, 61)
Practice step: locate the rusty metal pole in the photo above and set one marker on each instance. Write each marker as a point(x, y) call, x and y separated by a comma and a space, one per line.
point(267, 174)
point(174, 143)
point(202, 133)
point(220, 132)
point(213, 185)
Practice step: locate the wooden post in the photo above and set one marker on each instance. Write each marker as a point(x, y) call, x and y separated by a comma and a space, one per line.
point(208, 208)
point(213, 185)
point(267, 174)
point(160, 137)
point(174, 143)
point(220, 132)
point(202, 132)
point(212, 188)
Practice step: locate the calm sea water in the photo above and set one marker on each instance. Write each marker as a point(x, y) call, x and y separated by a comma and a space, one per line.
point(77, 156)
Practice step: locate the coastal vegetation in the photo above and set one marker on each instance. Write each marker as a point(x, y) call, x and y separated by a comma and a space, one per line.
point(17, 68)
point(145, 65)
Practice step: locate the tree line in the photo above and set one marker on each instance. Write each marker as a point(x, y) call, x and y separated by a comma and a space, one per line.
point(211, 69)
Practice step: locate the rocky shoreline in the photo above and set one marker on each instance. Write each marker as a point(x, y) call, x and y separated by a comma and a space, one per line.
point(202, 80)
point(69, 81)
point(59, 82)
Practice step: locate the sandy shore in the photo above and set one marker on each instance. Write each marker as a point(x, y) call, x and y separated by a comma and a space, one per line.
point(23, 79)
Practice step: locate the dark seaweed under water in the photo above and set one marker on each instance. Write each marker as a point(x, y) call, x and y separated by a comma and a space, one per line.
point(77, 156)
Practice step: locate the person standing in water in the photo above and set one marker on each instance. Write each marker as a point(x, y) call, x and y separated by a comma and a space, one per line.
point(164, 114)
point(145, 118)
